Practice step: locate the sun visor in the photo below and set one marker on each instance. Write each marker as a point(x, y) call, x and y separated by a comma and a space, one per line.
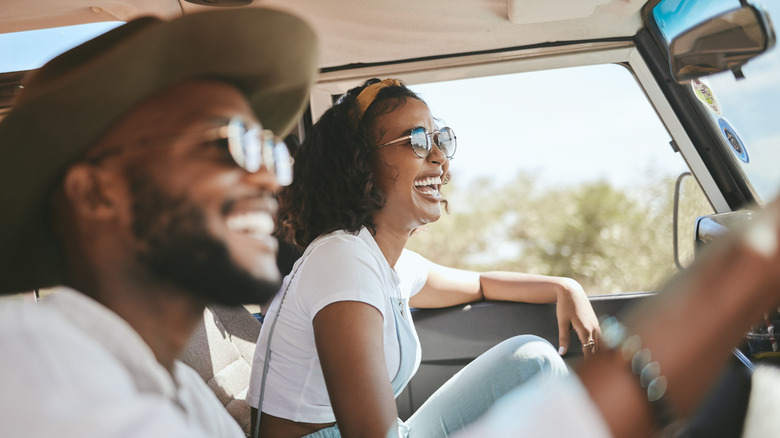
point(539, 11)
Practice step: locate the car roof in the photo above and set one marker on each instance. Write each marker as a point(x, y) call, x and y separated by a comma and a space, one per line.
point(370, 32)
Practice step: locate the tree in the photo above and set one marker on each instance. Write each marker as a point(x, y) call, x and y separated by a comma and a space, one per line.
point(609, 239)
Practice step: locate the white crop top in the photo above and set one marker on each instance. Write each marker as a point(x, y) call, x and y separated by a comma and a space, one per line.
point(336, 267)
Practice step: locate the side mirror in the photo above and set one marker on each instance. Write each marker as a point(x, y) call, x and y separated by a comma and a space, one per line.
point(725, 42)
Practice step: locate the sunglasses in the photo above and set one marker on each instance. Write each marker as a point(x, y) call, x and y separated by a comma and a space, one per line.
point(422, 141)
point(249, 145)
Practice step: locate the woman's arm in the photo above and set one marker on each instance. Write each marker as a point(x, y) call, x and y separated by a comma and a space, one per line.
point(350, 345)
point(449, 287)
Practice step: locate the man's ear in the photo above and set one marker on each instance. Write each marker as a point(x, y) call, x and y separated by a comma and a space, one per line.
point(92, 191)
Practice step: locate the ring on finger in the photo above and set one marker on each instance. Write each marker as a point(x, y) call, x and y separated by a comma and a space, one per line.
point(591, 343)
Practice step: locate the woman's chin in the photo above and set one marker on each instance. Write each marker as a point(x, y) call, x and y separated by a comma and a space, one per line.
point(431, 217)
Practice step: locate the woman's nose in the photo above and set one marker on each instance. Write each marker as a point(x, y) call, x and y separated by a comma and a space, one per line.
point(436, 155)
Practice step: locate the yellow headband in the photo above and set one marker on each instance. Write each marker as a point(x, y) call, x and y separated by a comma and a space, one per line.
point(367, 96)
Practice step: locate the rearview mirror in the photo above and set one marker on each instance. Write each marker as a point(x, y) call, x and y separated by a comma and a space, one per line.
point(725, 42)
point(710, 227)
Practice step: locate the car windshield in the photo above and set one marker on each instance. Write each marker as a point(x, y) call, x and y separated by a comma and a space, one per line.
point(745, 111)
point(20, 51)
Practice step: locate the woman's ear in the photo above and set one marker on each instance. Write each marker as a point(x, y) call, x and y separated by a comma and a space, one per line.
point(91, 191)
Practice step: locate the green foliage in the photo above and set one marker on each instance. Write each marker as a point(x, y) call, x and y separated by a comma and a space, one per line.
point(609, 239)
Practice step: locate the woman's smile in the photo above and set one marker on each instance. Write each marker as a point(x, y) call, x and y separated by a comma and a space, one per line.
point(429, 187)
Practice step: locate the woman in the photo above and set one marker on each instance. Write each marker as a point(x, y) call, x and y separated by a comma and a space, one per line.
point(343, 345)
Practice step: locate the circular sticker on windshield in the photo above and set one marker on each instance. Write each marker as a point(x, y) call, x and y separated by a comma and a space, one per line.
point(734, 141)
point(704, 93)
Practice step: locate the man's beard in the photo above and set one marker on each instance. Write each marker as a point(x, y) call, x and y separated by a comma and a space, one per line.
point(177, 247)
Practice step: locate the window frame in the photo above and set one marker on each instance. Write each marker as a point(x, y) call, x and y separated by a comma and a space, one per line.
point(623, 52)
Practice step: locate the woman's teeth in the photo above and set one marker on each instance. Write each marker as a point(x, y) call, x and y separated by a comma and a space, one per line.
point(430, 181)
point(429, 185)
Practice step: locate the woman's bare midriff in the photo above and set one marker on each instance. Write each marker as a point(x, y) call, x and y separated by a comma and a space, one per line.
point(277, 427)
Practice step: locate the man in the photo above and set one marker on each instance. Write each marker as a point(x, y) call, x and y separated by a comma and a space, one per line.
point(138, 171)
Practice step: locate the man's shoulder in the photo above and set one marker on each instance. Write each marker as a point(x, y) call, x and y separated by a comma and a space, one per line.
point(43, 349)
point(32, 333)
point(44, 353)
point(71, 379)
point(28, 319)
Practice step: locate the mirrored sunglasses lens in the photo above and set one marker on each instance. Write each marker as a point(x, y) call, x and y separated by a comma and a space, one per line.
point(251, 148)
point(236, 130)
point(282, 164)
point(420, 142)
point(248, 155)
point(445, 140)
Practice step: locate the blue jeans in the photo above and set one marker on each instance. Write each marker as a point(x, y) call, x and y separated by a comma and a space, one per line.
point(470, 392)
point(474, 389)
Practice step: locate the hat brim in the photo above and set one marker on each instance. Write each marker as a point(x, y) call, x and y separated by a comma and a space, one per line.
point(69, 103)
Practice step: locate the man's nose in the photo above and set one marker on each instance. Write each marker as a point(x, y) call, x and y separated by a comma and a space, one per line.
point(263, 179)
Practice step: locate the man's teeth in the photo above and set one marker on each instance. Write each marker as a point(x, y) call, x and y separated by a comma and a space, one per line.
point(430, 181)
point(256, 223)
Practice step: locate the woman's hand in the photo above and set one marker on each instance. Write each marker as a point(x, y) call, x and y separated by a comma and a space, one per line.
point(573, 310)
point(448, 287)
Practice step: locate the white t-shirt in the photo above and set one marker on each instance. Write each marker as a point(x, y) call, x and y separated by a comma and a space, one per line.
point(70, 367)
point(336, 267)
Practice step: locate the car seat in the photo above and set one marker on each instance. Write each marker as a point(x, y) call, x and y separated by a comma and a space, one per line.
point(221, 351)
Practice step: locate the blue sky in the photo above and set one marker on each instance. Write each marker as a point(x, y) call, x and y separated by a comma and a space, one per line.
point(563, 126)
point(28, 50)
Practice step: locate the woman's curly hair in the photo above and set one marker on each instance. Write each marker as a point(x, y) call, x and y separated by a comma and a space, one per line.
point(334, 188)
